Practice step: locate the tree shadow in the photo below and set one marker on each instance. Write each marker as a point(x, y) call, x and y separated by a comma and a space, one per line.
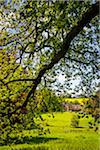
point(35, 140)
point(79, 127)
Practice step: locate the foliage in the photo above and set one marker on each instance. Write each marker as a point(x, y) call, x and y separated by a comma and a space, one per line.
point(92, 107)
point(36, 36)
point(38, 39)
point(48, 101)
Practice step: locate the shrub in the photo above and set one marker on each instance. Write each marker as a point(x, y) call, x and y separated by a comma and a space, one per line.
point(75, 121)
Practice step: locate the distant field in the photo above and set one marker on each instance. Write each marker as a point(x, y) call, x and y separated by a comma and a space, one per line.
point(62, 136)
point(80, 100)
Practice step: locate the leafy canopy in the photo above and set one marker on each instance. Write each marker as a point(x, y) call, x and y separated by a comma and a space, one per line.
point(39, 40)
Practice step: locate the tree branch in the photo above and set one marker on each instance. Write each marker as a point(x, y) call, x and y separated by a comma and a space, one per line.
point(20, 80)
point(85, 19)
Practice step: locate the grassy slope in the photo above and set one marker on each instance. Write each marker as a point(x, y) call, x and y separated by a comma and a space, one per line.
point(80, 100)
point(62, 136)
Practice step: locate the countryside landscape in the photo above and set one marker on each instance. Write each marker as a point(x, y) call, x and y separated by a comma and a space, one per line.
point(49, 75)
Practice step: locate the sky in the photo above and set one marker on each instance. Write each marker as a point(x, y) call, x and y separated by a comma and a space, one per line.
point(61, 78)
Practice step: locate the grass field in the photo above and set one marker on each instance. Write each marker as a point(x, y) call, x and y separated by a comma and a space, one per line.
point(80, 100)
point(62, 136)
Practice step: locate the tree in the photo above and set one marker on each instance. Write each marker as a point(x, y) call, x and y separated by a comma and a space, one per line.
point(75, 121)
point(11, 97)
point(48, 101)
point(47, 37)
point(92, 107)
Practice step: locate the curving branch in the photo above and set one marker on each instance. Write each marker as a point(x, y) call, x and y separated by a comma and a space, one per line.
point(85, 19)
point(20, 80)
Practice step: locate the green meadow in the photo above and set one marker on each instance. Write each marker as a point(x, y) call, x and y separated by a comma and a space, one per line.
point(61, 137)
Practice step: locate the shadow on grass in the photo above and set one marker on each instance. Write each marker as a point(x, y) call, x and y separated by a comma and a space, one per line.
point(35, 140)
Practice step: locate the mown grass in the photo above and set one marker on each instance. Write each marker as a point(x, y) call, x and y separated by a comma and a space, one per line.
point(62, 136)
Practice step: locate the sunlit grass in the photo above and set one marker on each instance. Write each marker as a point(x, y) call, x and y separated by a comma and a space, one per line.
point(62, 136)
point(80, 100)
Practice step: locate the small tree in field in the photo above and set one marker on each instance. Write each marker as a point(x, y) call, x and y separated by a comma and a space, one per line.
point(75, 121)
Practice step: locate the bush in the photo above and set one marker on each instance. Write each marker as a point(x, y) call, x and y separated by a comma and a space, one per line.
point(75, 121)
